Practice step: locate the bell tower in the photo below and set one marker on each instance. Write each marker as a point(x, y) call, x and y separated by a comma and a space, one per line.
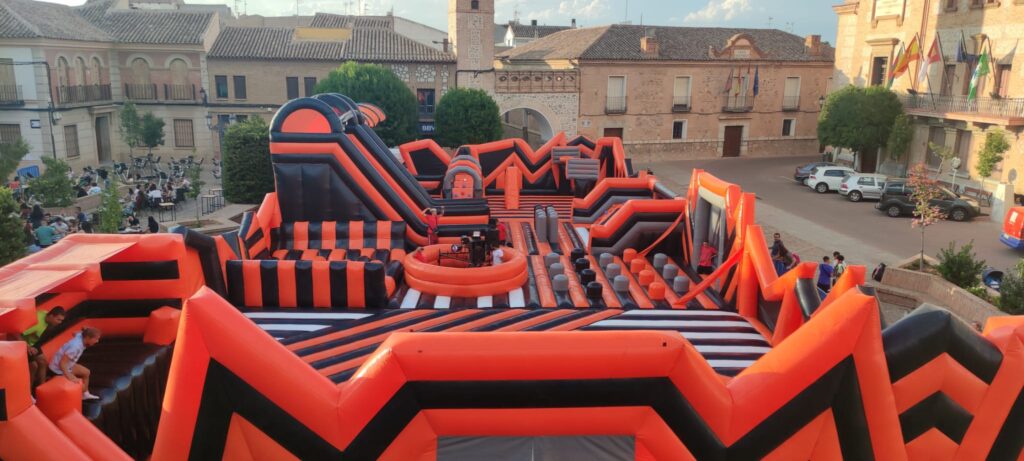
point(471, 31)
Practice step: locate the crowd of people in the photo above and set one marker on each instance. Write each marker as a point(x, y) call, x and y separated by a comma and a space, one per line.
point(829, 269)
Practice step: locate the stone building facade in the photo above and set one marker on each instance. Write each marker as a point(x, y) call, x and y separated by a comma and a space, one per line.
point(869, 35)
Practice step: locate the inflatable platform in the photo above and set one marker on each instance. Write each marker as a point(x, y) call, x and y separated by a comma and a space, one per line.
point(491, 302)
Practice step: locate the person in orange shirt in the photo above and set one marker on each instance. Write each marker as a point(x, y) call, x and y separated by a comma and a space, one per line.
point(707, 257)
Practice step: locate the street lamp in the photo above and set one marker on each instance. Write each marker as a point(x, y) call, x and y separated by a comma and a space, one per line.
point(220, 126)
point(821, 102)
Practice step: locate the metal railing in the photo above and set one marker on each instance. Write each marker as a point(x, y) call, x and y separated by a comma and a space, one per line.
point(680, 103)
point(140, 91)
point(790, 102)
point(11, 95)
point(930, 102)
point(615, 105)
point(426, 109)
point(77, 94)
point(737, 103)
point(185, 92)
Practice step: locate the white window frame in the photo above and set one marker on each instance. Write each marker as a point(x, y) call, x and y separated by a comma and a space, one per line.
point(792, 127)
point(689, 89)
point(625, 90)
point(686, 127)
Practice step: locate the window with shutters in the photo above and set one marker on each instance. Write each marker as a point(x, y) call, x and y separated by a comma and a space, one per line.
point(310, 84)
point(239, 81)
point(9, 133)
point(292, 85)
point(221, 84)
point(1003, 72)
point(948, 78)
point(71, 141)
point(879, 69)
point(681, 94)
point(791, 96)
point(679, 129)
point(616, 102)
point(183, 134)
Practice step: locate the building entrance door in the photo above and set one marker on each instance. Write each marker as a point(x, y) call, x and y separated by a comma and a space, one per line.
point(733, 141)
point(103, 138)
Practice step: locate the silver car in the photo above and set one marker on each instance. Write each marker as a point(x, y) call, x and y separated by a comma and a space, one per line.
point(859, 186)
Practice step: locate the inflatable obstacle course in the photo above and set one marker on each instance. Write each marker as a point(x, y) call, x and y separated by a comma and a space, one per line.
point(344, 319)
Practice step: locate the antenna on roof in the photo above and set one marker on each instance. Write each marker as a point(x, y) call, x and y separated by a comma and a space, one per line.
point(770, 22)
point(515, 13)
point(626, 17)
point(641, 18)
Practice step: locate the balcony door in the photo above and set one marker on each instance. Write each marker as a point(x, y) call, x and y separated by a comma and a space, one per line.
point(103, 138)
point(616, 94)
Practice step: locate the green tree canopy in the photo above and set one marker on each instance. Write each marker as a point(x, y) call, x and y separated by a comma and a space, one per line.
point(12, 234)
point(901, 136)
point(53, 188)
point(111, 212)
point(130, 126)
point(380, 86)
point(860, 119)
point(991, 153)
point(467, 116)
point(151, 131)
point(11, 154)
point(248, 174)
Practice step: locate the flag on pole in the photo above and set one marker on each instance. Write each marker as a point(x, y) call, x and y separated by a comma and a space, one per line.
point(728, 82)
point(979, 73)
point(911, 54)
point(757, 71)
point(895, 64)
point(933, 56)
point(739, 82)
point(961, 52)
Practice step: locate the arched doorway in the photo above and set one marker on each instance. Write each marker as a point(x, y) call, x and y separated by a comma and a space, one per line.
point(528, 124)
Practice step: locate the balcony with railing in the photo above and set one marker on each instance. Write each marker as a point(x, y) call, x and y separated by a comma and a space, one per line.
point(80, 94)
point(681, 103)
point(10, 95)
point(791, 103)
point(426, 110)
point(180, 93)
point(997, 111)
point(737, 103)
point(615, 105)
point(140, 91)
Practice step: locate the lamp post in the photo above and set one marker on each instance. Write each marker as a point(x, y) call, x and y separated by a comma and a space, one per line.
point(821, 102)
point(220, 126)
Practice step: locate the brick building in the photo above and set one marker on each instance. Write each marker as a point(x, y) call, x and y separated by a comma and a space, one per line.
point(870, 33)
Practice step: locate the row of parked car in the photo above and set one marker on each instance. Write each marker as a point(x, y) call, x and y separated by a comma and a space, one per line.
point(893, 194)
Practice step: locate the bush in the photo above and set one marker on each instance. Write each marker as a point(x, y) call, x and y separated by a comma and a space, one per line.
point(379, 86)
point(11, 154)
point(1011, 291)
point(111, 212)
point(960, 267)
point(53, 188)
point(248, 173)
point(12, 233)
point(467, 116)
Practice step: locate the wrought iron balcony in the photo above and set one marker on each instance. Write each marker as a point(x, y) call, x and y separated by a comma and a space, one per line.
point(615, 105)
point(681, 103)
point(791, 103)
point(185, 92)
point(10, 95)
point(737, 103)
point(140, 91)
point(78, 94)
point(983, 110)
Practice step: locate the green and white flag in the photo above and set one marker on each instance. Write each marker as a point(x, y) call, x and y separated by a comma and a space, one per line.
point(979, 73)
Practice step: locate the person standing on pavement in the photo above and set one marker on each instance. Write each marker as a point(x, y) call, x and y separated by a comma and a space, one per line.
point(777, 247)
point(839, 269)
point(824, 278)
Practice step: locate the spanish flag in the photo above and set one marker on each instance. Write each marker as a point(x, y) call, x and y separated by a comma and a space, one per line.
point(912, 53)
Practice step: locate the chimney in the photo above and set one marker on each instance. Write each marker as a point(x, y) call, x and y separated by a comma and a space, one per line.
point(444, 44)
point(812, 45)
point(533, 22)
point(648, 43)
point(573, 23)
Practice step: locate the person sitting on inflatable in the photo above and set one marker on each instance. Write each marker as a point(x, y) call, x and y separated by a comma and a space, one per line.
point(37, 362)
point(65, 361)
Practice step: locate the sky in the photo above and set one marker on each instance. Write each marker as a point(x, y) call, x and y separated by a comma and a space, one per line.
point(802, 17)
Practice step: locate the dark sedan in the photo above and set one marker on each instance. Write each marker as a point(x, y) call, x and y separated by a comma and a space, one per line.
point(802, 172)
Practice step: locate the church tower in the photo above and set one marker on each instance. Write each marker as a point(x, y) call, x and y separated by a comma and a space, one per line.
point(471, 30)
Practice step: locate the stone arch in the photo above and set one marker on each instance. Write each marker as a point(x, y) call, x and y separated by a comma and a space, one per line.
point(81, 71)
point(96, 70)
point(63, 71)
point(140, 70)
point(176, 56)
point(557, 109)
point(179, 71)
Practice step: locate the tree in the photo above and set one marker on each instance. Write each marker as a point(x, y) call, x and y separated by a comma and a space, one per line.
point(380, 86)
point(924, 191)
point(130, 126)
point(248, 174)
point(900, 137)
point(195, 178)
point(53, 188)
point(12, 233)
point(11, 154)
point(961, 267)
point(860, 119)
point(111, 212)
point(1011, 290)
point(943, 152)
point(991, 153)
point(151, 131)
point(467, 116)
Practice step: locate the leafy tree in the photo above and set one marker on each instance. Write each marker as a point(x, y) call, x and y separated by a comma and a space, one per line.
point(248, 174)
point(10, 157)
point(12, 234)
point(151, 131)
point(943, 152)
point(961, 267)
point(991, 153)
point(53, 188)
point(111, 212)
point(196, 183)
point(924, 191)
point(1011, 291)
point(900, 137)
point(860, 119)
point(380, 86)
point(467, 116)
point(130, 126)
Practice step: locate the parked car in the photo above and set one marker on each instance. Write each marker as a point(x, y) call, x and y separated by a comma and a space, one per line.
point(802, 172)
point(859, 186)
point(827, 178)
point(896, 202)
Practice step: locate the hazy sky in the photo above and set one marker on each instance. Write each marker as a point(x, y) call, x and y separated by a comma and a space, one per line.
point(802, 17)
